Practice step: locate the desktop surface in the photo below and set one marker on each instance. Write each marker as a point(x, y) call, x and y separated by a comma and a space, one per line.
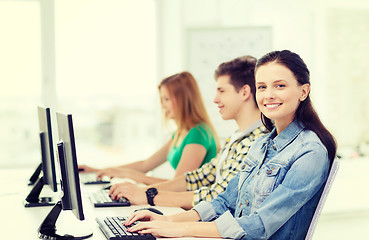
point(339, 220)
point(14, 212)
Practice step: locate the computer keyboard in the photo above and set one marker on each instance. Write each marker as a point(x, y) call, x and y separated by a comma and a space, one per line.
point(102, 199)
point(90, 178)
point(113, 228)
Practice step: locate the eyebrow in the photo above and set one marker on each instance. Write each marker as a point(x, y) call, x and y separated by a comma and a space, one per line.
point(276, 81)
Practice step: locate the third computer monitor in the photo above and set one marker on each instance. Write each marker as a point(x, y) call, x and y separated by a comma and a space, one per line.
point(46, 139)
point(47, 162)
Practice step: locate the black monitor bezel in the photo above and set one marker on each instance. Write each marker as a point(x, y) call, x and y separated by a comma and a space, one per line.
point(69, 166)
point(47, 165)
point(47, 148)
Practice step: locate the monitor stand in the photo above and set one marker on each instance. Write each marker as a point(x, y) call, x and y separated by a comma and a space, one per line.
point(34, 200)
point(35, 175)
point(70, 227)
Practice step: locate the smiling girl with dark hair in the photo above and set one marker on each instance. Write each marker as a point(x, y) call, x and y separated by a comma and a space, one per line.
point(276, 193)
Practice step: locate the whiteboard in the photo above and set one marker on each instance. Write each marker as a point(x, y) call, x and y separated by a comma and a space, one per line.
point(206, 48)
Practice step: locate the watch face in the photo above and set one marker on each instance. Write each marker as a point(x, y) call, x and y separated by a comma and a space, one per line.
point(152, 192)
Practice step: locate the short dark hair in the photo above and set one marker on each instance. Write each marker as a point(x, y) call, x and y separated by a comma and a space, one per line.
point(240, 71)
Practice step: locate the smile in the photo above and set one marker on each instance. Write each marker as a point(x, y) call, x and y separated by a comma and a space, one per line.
point(274, 105)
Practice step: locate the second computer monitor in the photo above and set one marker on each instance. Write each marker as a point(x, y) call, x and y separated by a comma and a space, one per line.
point(71, 199)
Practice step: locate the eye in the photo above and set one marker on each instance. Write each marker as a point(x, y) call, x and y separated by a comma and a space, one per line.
point(261, 87)
point(281, 86)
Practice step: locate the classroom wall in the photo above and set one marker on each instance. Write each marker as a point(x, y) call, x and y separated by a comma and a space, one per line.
point(328, 35)
point(104, 55)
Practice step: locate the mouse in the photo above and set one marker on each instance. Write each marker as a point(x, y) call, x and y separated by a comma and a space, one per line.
point(154, 210)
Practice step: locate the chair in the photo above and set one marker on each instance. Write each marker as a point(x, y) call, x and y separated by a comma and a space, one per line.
point(318, 210)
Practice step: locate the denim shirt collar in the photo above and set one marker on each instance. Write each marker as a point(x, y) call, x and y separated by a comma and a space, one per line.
point(282, 139)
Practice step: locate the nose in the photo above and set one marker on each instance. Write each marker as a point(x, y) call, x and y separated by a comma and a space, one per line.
point(163, 106)
point(269, 94)
point(216, 99)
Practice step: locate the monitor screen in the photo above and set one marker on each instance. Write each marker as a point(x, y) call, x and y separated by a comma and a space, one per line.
point(71, 199)
point(47, 150)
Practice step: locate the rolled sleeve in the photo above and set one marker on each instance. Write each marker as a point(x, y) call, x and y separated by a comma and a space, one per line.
point(200, 177)
point(228, 226)
point(206, 211)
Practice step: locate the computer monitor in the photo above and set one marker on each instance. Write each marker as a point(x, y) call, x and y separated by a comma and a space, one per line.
point(71, 200)
point(47, 165)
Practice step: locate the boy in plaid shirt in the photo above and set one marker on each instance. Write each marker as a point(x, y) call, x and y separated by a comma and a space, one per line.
point(236, 100)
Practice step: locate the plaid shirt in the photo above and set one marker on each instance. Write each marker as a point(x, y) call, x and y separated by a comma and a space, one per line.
point(202, 180)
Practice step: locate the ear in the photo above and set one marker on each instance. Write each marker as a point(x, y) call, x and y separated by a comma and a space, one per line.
point(245, 91)
point(305, 91)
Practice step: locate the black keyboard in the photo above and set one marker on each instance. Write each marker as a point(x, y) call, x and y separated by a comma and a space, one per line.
point(102, 199)
point(113, 228)
point(90, 178)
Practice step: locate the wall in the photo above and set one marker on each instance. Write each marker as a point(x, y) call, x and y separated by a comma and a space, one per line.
point(329, 35)
point(179, 17)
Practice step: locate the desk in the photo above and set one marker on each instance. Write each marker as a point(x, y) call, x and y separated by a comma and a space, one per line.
point(18, 222)
point(345, 214)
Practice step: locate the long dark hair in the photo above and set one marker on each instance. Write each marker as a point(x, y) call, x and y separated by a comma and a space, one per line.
point(305, 113)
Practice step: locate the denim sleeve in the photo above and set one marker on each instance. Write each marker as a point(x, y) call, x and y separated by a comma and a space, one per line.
point(205, 211)
point(224, 202)
point(228, 226)
point(227, 200)
point(302, 181)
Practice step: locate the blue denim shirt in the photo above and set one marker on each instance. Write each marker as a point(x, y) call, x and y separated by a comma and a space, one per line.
point(276, 193)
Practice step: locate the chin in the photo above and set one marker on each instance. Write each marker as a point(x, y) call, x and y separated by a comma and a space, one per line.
point(224, 117)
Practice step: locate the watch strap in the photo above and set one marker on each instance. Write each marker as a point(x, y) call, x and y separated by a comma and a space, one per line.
point(150, 194)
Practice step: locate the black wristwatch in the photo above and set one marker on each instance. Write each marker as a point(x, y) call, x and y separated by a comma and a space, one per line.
point(150, 194)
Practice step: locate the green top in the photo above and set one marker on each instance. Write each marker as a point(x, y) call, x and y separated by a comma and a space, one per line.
point(200, 134)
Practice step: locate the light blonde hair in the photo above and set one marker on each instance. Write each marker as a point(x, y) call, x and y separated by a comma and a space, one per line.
point(189, 105)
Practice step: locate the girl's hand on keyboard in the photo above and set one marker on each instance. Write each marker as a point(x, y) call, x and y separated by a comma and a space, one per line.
point(159, 228)
point(85, 169)
point(144, 215)
point(109, 172)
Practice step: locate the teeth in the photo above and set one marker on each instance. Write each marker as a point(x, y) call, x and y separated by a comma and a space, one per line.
point(271, 105)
